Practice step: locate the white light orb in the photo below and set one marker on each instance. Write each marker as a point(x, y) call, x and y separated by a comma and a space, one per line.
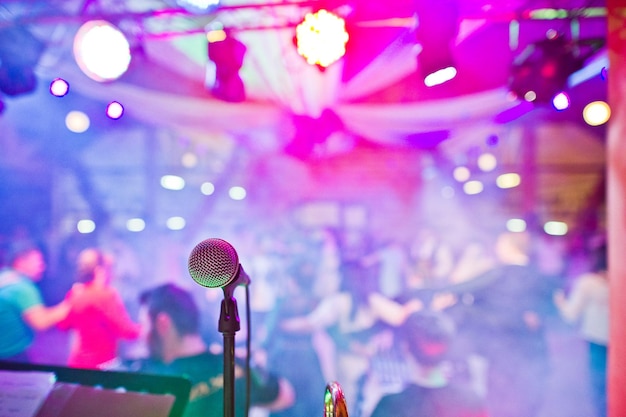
point(101, 51)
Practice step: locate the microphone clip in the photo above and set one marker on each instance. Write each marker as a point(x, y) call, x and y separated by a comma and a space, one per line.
point(229, 322)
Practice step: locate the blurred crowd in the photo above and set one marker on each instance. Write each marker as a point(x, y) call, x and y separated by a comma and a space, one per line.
point(425, 327)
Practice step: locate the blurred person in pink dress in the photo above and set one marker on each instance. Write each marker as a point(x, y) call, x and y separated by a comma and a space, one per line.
point(98, 318)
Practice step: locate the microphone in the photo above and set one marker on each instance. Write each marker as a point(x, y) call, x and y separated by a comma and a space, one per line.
point(214, 263)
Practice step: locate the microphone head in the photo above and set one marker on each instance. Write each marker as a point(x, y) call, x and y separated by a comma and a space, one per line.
point(213, 263)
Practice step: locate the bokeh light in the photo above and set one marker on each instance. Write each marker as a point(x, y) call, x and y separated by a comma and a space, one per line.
point(473, 187)
point(508, 180)
point(487, 162)
point(530, 96)
point(86, 226)
point(172, 182)
point(207, 188)
point(189, 160)
point(321, 38)
point(237, 193)
point(555, 228)
point(77, 121)
point(59, 87)
point(561, 101)
point(596, 113)
point(101, 51)
point(461, 173)
point(440, 76)
point(115, 110)
point(135, 225)
point(175, 223)
point(516, 225)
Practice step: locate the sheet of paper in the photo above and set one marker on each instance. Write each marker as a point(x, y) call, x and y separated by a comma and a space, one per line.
point(22, 393)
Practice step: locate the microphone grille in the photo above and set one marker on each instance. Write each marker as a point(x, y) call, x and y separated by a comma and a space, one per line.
point(213, 263)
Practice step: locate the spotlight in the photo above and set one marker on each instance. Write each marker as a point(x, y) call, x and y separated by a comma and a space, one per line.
point(440, 76)
point(226, 55)
point(596, 113)
point(321, 38)
point(436, 32)
point(101, 51)
point(19, 54)
point(542, 69)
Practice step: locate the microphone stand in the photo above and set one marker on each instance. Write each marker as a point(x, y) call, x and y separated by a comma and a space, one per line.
point(228, 325)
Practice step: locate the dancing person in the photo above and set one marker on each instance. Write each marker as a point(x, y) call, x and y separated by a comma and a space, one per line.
point(357, 319)
point(22, 310)
point(170, 320)
point(284, 349)
point(392, 264)
point(98, 318)
point(505, 322)
point(587, 305)
point(433, 388)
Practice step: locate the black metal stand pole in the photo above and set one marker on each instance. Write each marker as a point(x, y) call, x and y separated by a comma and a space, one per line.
point(228, 326)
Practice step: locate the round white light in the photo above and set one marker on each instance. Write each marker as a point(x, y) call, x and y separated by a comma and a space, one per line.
point(321, 38)
point(115, 110)
point(135, 225)
point(172, 182)
point(85, 226)
point(508, 180)
point(516, 225)
point(207, 188)
point(487, 162)
point(77, 121)
point(59, 87)
point(555, 228)
point(237, 193)
point(473, 187)
point(530, 96)
point(175, 223)
point(596, 113)
point(461, 173)
point(101, 51)
point(561, 101)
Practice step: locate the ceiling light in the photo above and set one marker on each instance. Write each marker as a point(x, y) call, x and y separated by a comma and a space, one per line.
point(321, 38)
point(19, 54)
point(101, 51)
point(596, 113)
point(542, 69)
point(437, 29)
point(226, 55)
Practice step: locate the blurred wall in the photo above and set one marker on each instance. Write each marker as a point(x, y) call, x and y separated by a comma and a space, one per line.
point(616, 201)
